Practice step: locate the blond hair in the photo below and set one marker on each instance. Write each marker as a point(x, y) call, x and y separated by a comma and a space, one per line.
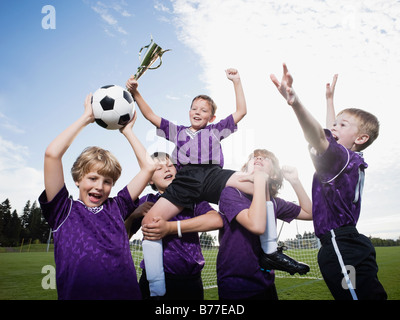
point(367, 124)
point(95, 158)
point(160, 157)
point(276, 177)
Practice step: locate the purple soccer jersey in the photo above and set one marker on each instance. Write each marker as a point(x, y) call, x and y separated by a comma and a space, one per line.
point(91, 249)
point(182, 256)
point(337, 187)
point(201, 147)
point(238, 271)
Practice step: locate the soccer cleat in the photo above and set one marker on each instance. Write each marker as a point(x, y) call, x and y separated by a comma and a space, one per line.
point(282, 262)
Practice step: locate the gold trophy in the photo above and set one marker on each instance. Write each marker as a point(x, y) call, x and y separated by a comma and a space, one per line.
point(152, 53)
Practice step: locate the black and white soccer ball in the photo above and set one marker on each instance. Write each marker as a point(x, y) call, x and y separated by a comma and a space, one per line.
point(113, 107)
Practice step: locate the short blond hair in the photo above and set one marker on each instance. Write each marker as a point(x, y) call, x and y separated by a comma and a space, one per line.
point(160, 157)
point(95, 158)
point(276, 179)
point(367, 124)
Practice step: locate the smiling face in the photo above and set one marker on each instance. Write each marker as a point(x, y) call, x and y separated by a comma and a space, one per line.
point(94, 188)
point(200, 114)
point(164, 174)
point(95, 171)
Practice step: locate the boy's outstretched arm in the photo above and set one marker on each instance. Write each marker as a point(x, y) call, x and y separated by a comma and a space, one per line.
point(147, 165)
point(241, 108)
point(330, 108)
point(312, 130)
point(53, 169)
point(146, 110)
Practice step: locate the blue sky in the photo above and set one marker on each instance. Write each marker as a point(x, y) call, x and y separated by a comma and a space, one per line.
point(46, 74)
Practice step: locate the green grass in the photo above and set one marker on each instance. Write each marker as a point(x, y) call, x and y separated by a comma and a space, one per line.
point(21, 278)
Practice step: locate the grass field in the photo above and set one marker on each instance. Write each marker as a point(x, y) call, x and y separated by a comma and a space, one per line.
point(21, 278)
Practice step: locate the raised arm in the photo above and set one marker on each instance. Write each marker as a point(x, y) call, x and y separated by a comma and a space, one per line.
point(147, 165)
point(291, 175)
point(330, 108)
point(241, 108)
point(148, 113)
point(53, 168)
point(312, 130)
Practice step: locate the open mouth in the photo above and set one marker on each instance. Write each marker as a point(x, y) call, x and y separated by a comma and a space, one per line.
point(94, 197)
point(168, 177)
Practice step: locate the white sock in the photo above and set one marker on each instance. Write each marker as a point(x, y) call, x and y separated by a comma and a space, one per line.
point(153, 260)
point(269, 238)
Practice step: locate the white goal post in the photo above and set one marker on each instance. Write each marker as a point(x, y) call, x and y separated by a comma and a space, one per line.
point(301, 245)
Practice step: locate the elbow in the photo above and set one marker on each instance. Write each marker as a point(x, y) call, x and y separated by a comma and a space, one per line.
point(257, 229)
point(50, 153)
point(218, 223)
point(242, 114)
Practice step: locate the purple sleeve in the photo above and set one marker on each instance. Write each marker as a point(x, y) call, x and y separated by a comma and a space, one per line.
point(202, 208)
point(286, 210)
point(333, 161)
point(224, 128)
point(125, 203)
point(168, 130)
point(56, 210)
point(232, 202)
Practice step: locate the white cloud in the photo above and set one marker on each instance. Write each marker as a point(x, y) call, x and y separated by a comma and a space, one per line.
point(103, 10)
point(169, 97)
point(7, 123)
point(19, 182)
point(360, 41)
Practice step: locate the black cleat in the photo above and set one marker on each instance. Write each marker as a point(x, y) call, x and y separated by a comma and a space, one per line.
point(282, 262)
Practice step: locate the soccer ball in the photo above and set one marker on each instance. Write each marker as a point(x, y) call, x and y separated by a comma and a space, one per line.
point(113, 107)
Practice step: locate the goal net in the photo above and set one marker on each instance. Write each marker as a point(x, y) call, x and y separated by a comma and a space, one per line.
point(300, 244)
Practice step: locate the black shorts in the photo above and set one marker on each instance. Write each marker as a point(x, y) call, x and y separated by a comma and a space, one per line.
point(195, 183)
point(178, 287)
point(356, 252)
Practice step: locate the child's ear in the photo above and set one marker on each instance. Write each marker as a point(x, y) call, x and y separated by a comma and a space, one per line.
point(361, 139)
point(212, 118)
point(77, 184)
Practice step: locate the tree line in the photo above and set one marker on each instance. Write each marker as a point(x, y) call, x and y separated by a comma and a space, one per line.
point(376, 242)
point(30, 225)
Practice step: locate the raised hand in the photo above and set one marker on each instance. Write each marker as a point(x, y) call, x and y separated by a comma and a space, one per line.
point(88, 108)
point(132, 84)
point(330, 87)
point(232, 74)
point(290, 173)
point(285, 86)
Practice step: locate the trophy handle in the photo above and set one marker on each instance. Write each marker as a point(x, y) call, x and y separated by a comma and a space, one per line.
point(152, 53)
point(145, 47)
point(160, 56)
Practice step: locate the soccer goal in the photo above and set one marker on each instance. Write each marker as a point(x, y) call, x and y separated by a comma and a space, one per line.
point(300, 244)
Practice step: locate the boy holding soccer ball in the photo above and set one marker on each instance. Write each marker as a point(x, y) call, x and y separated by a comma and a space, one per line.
point(91, 248)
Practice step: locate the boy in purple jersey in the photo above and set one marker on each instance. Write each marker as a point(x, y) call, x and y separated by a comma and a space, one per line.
point(238, 272)
point(182, 256)
point(336, 194)
point(198, 156)
point(91, 248)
